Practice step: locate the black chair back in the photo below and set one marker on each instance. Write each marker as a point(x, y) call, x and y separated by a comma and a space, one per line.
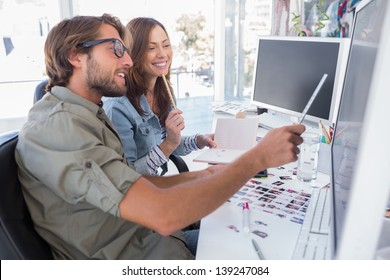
point(40, 90)
point(18, 238)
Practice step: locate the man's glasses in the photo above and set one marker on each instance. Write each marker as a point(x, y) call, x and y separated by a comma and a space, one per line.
point(119, 48)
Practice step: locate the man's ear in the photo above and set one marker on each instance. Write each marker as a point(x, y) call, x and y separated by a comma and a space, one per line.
point(75, 58)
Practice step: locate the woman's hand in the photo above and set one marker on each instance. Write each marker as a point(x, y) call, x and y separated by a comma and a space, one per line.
point(174, 124)
point(206, 140)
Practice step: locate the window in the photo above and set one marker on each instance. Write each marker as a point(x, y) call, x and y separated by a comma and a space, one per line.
point(212, 61)
point(239, 25)
point(24, 26)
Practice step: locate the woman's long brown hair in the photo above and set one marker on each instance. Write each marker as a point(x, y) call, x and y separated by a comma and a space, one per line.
point(140, 29)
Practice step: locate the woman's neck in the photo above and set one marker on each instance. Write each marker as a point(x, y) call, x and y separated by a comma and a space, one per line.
point(152, 101)
point(150, 96)
point(152, 84)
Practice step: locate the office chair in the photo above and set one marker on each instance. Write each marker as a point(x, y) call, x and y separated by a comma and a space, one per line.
point(40, 90)
point(180, 164)
point(18, 238)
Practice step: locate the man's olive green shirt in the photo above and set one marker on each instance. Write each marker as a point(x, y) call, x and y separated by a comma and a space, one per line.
point(74, 177)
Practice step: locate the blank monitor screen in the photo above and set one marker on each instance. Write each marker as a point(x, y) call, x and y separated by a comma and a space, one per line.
point(288, 70)
point(363, 51)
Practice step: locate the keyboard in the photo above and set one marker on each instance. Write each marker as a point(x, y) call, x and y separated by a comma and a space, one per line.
point(313, 238)
point(234, 106)
point(271, 121)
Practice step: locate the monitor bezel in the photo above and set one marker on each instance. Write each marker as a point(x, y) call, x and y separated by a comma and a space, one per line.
point(362, 222)
point(343, 43)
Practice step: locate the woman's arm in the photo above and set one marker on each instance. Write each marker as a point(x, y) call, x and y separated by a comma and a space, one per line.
point(137, 137)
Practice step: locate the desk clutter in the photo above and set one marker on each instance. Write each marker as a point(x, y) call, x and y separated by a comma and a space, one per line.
point(234, 106)
point(278, 195)
point(272, 210)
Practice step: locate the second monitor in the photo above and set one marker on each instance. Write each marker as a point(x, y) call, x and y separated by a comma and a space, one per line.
point(288, 70)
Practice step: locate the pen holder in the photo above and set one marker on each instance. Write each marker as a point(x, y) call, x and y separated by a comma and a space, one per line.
point(324, 159)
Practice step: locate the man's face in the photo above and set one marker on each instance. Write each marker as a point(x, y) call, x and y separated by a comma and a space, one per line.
point(101, 79)
point(105, 72)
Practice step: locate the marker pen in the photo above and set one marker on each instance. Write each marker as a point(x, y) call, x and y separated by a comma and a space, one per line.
point(245, 221)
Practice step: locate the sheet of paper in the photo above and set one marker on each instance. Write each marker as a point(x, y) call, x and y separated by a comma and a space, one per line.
point(235, 133)
point(233, 136)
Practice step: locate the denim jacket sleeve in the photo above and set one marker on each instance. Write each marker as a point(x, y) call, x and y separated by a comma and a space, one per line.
point(187, 145)
point(140, 135)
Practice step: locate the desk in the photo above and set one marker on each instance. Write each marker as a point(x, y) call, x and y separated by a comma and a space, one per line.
point(221, 236)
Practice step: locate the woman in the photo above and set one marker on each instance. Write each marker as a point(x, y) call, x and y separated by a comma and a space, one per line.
point(148, 123)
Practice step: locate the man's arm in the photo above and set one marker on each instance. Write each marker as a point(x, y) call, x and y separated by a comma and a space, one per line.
point(166, 210)
point(172, 180)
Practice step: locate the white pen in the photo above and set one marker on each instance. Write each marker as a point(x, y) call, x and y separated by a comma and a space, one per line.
point(245, 216)
point(257, 249)
point(311, 100)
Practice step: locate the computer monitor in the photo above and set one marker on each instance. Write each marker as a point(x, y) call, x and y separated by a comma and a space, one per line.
point(359, 189)
point(288, 70)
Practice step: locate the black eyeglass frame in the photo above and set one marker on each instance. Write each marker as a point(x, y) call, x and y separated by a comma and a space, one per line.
point(119, 47)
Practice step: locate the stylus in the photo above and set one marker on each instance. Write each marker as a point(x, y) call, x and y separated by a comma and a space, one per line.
point(313, 96)
point(257, 249)
point(245, 222)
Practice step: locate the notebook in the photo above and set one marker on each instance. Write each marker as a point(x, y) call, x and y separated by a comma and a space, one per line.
point(234, 136)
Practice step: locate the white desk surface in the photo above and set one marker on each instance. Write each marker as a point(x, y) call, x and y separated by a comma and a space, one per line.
point(217, 241)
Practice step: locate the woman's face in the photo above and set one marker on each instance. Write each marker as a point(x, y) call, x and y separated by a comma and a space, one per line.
point(159, 53)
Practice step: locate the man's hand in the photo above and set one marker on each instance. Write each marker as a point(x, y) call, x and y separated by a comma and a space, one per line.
point(279, 146)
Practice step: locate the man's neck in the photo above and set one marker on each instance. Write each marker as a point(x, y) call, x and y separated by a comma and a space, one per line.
point(81, 89)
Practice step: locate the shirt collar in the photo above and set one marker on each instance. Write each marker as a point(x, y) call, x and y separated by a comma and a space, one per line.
point(145, 105)
point(69, 96)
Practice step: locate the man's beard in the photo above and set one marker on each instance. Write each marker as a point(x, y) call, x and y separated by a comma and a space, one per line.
point(99, 81)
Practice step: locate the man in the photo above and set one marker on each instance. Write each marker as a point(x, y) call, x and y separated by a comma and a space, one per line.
point(85, 201)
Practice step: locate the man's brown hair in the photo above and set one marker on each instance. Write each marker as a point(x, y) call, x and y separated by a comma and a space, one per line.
point(66, 36)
